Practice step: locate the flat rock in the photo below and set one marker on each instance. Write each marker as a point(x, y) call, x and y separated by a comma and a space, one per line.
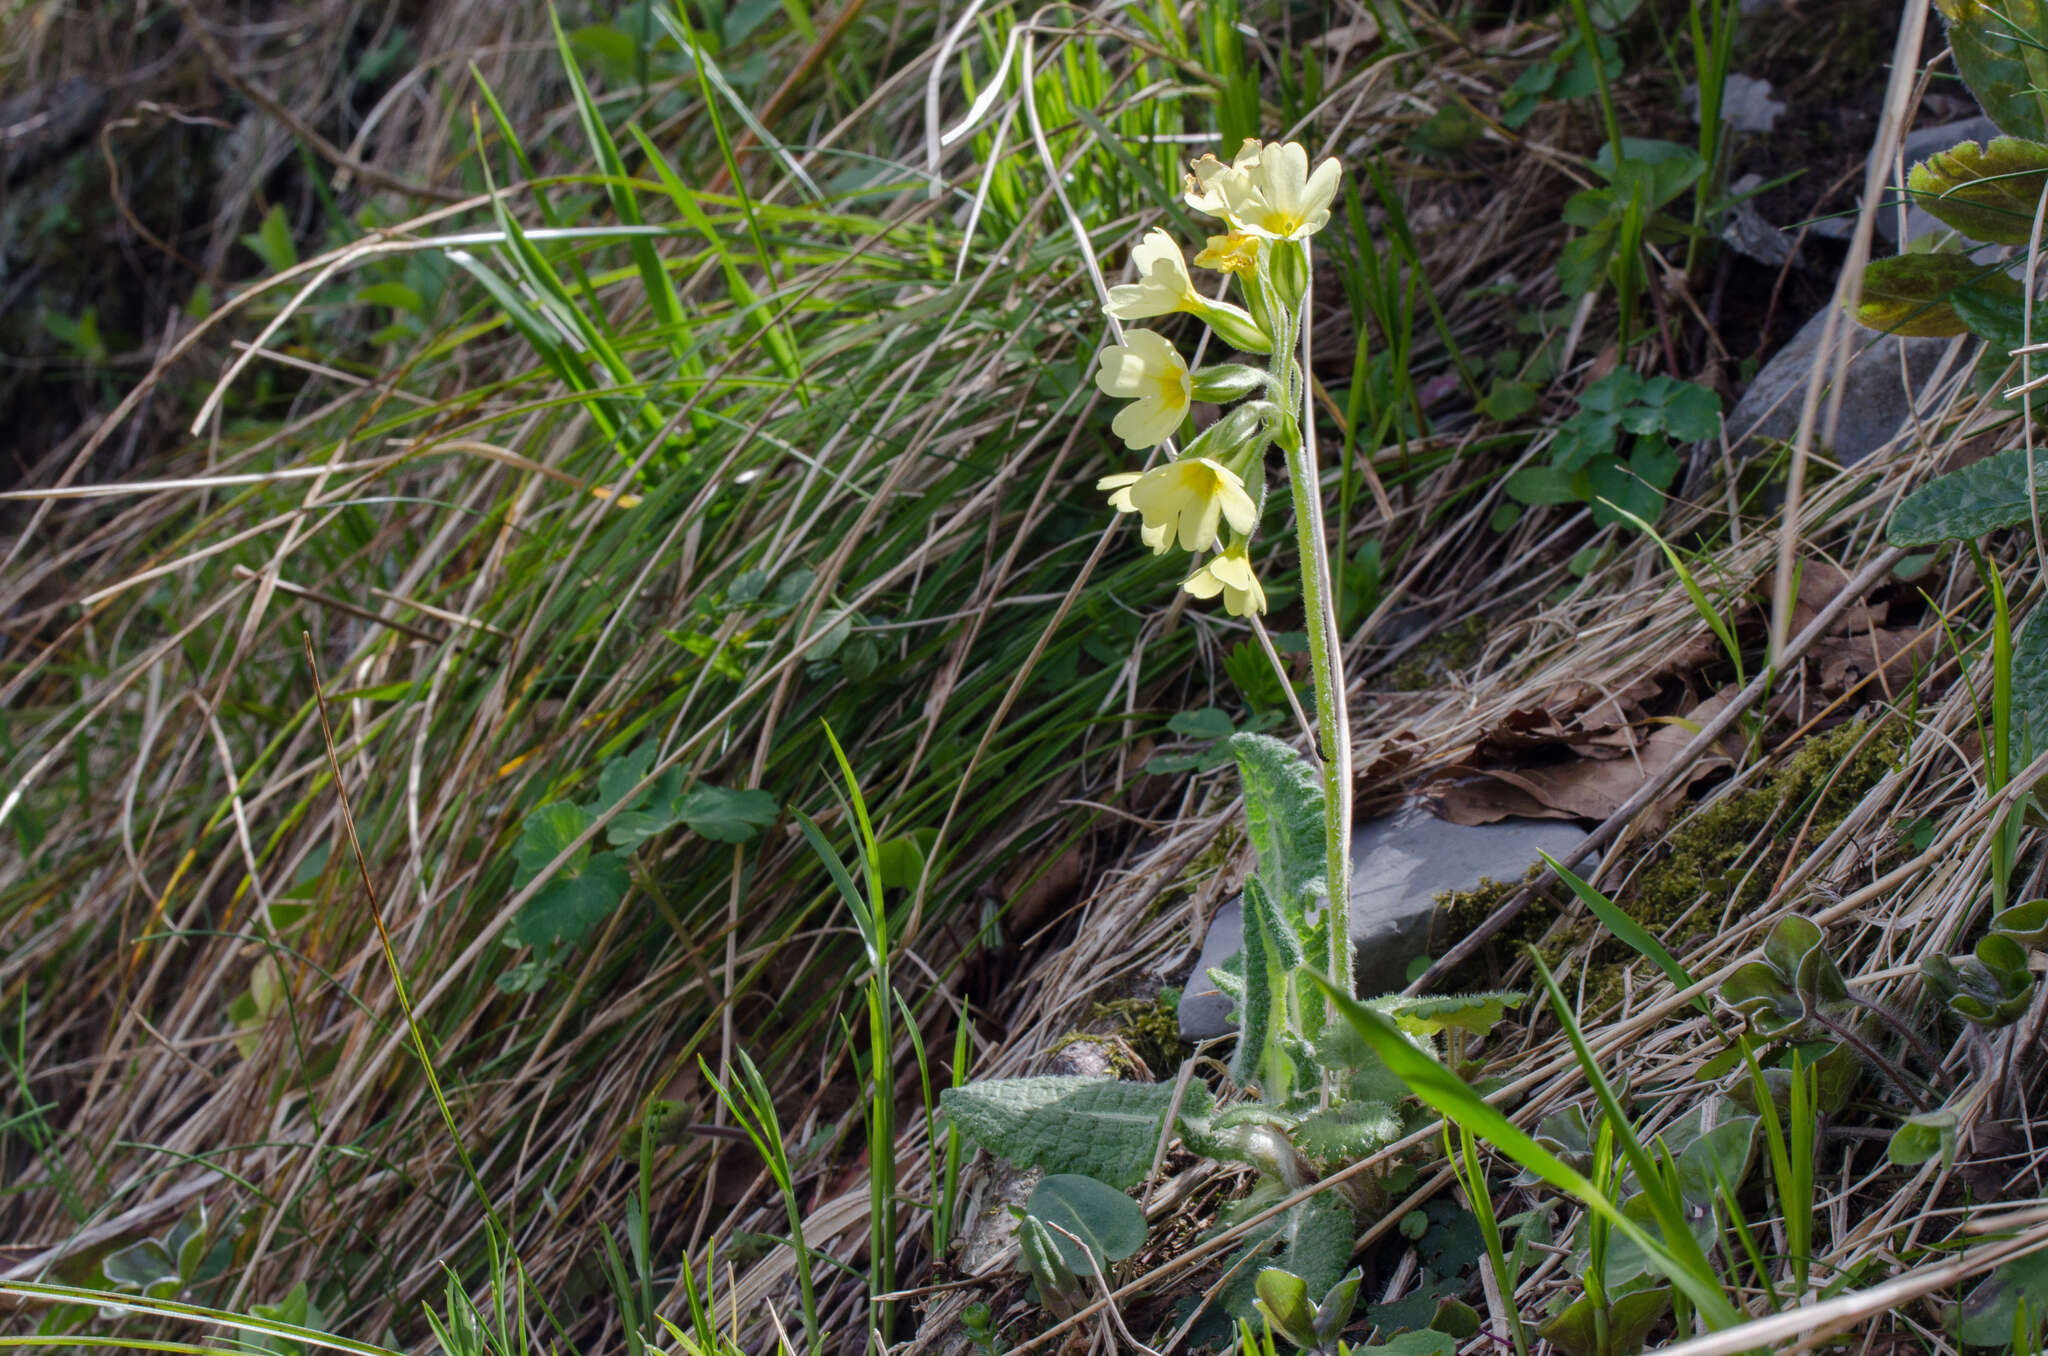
point(1876, 403)
point(1400, 863)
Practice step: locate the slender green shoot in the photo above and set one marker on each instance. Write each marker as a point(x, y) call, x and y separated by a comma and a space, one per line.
point(753, 1110)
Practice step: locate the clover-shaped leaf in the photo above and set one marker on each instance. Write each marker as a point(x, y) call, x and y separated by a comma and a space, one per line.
point(1989, 989)
point(1921, 1137)
point(1782, 990)
point(579, 896)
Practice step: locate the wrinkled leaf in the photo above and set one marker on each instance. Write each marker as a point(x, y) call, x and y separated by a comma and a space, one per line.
point(1097, 1127)
point(1283, 806)
point(1965, 504)
point(1988, 192)
point(1478, 1013)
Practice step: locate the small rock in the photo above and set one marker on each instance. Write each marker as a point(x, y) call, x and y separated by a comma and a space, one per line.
point(1400, 863)
point(1746, 104)
point(1875, 402)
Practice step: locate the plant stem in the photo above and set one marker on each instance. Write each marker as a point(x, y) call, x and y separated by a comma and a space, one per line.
point(1325, 644)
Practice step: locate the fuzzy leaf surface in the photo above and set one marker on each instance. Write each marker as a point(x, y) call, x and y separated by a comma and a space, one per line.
point(1283, 804)
point(1988, 192)
point(1097, 1127)
point(1478, 1013)
point(1963, 505)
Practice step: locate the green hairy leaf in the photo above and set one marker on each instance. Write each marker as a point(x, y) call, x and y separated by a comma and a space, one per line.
point(1991, 988)
point(1965, 504)
point(1987, 192)
point(1908, 294)
point(1098, 1127)
point(1313, 1241)
point(1478, 1013)
point(1996, 54)
point(1272, 950)
point(1921, 1137)
point(1109, 1224)
point(1283, 810)
point(1348, 1131)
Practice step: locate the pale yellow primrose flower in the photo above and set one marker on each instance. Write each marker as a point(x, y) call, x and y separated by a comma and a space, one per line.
point(1230, 574)
point(1291, 202)
point(1148, 371)
point(1266, 190)
point(1237, 252)
point(1189, 499)
point(1163, 285)
point(1214, 187)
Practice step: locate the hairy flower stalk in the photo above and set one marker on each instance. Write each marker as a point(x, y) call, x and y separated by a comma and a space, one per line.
point(1271, 203)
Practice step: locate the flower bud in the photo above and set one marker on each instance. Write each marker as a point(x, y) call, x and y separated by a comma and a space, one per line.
point(1290, 273)
point(1221, 383)
point(1235, 327)
point(1226, 440)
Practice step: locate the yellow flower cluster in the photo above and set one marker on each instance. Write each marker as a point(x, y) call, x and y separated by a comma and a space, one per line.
point(1270, 202)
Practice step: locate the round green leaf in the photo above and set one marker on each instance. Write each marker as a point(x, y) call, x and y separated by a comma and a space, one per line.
point(1109, 1223)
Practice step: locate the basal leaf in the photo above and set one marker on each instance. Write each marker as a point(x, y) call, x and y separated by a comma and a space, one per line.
point(1272, 950)
point(1988, 192)
point(1348, 1131)
point(1922, 1137)
point(1098, 1127)
point(1313, 1241)
point(1283, 805)
point(1109, 1224)
point(1908, 294)
point(1965, 504)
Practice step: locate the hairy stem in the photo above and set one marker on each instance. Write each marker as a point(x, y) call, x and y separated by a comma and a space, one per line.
point(1325, 644)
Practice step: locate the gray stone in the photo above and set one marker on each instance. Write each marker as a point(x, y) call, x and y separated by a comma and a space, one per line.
point(1875, 402)
point(1400, 863)
point(1746, 104)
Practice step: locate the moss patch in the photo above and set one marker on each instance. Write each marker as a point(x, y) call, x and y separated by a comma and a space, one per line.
point(1736, 847)
point(1446, 650)
point(1144, 1028)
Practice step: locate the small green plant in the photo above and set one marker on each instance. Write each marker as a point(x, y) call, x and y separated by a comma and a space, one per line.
point(1617, 451)
point(1324, 1098)
point(589, 886)
point(1314, 1326)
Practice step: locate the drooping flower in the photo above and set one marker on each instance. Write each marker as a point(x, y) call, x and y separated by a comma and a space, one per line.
point(1229, 573)
point(1266, 190)
point(1236, 252)
point(1148, 371)
point(1217, 188)
point(1163, 285)
point(1185, 500)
